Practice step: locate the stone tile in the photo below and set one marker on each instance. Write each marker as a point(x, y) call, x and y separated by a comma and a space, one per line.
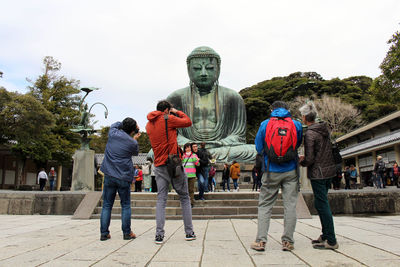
point(59, 241)
point(175, 264)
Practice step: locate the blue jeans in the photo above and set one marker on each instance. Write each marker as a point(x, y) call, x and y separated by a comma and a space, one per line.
point(227, 183)
point(51, 184)
point(206, 171)
point(235, 183)
point(378, 180)
point(111, 186)
point(201, 184)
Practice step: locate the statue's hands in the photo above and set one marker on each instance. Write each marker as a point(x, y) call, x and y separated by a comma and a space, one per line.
point(136, 136)
point(215, 143)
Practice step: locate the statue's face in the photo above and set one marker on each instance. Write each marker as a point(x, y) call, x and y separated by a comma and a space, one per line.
point(203, 72)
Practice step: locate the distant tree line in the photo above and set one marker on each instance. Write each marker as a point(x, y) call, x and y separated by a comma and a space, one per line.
point(370, 98)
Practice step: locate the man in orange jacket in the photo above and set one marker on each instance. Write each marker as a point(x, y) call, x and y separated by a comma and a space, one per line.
point(162, 147)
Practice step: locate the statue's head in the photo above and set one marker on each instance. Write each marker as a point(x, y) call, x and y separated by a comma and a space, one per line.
point(203, 67)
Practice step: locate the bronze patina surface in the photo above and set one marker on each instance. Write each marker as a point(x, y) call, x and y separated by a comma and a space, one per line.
point(218, 113)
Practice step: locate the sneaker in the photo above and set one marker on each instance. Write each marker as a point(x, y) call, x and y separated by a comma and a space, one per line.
point(259, 246)
point(105, 237)
point(190, 237)
point(287, 246)
point(238, 189)
point(129, 236)
point(159, 239)
point(325, 245)
point(316, 241)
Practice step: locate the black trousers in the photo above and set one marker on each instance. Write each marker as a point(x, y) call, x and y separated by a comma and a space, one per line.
point(347, 182)
point(138, 186)
point(42, 183)
point(153, 184)
point(336, 182)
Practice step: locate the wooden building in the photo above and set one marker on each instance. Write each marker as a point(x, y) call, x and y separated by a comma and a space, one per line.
point(361, 146)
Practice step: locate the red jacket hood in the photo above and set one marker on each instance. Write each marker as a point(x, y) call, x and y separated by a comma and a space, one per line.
point(152, 116)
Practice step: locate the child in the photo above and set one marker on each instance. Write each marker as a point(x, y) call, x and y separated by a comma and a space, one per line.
point(190, 161)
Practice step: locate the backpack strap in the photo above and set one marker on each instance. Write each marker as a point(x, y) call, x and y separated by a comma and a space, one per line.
point(166, 125)
point(166, 133)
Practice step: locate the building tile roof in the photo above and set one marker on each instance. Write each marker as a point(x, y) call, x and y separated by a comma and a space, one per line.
point(137, 160)
point(378, 141)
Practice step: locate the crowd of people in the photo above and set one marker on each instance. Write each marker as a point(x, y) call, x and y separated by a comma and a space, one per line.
point(199, 166)
point(276, 168)
point(380, 176)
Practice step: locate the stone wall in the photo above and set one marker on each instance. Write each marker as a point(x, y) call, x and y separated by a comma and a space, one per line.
point(359, 201)
point(43, 203)
point(65, 203)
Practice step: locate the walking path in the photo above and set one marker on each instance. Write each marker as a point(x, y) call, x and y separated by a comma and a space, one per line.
point(40, 240)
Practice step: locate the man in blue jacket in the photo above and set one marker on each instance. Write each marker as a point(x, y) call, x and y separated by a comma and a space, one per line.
point(276, 176)
point(118, 172)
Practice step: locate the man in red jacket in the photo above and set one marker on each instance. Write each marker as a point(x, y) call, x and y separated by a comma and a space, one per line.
point(162, 147)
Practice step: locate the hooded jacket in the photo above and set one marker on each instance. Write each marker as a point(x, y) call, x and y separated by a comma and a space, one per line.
point(155, 129)
point(318, 156)
point(235, 171)
point(260, 142)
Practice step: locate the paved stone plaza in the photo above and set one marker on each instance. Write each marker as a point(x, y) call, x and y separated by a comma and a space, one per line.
point(59, 241)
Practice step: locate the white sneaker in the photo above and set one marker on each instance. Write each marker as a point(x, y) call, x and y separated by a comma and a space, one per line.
point(238, 189)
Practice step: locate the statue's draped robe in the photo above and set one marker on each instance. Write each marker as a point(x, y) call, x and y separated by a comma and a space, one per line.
point(227, 113)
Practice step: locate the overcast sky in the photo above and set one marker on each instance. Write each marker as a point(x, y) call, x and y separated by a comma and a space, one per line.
point(135, 51)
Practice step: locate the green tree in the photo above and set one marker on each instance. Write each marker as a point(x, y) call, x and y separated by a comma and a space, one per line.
point(353, 90)
point(385, 89)
point(59, 96)
point(144, 143)
point(99, 142)
point(25, 125)
point(391, 64)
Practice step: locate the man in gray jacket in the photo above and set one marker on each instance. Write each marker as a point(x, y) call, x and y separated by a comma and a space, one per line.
point(321, 169)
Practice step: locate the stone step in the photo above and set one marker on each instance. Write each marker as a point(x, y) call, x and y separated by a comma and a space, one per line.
point(206, 203)
point(194, 217)
point(207, 196)
point(217, 205)
point(196, 210)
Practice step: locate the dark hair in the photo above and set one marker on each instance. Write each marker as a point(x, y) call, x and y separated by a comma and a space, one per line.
point(192, 144)
point(310, 117)
point(279, 104)
point(163, 104)
point(187, 145)
point(129, 125)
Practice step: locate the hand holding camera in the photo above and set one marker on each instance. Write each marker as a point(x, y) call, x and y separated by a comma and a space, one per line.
point(136, 136)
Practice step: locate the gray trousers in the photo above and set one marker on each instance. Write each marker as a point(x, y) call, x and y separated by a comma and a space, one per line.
point(181, 187)
point(268, 194)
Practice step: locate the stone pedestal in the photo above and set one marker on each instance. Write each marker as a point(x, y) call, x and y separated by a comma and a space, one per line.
point(83, 171)
point(304, 181)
